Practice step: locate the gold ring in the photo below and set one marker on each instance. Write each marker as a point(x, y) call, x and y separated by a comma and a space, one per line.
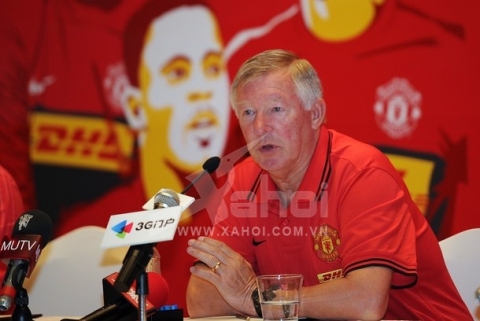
point(214, 269)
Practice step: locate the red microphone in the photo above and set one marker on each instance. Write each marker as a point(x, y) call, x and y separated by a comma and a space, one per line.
point(123, 306)
point(23, 252)
point(31, 232)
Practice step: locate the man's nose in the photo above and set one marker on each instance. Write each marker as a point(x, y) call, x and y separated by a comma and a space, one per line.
point(199, 96)
point(261, 124)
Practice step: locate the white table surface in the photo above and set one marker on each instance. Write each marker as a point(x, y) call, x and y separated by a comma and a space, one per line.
point(225, 318)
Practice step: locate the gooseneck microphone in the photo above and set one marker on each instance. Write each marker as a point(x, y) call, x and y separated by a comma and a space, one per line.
point(209, 167)
point(31, 232)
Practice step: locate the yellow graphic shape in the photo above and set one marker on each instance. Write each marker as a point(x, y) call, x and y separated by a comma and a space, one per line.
point(417, 175)
point(339, 20)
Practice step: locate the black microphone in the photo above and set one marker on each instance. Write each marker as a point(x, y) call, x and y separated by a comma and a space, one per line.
point(31, 232)
point(137, 257)
point(209, 167)
point(119, 295)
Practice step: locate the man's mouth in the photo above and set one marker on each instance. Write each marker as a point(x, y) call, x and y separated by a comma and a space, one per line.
point(267, 147)
point(204, 142)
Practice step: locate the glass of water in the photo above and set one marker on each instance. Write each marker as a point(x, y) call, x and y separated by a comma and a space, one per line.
point(280, 296)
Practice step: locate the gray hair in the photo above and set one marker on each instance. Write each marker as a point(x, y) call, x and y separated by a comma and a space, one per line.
point(307, 84)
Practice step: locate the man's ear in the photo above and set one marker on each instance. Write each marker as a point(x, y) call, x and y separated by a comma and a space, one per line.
point(318, 113)
point(133, 109)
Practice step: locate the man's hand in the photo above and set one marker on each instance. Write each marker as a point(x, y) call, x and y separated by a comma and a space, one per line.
point(227, 270)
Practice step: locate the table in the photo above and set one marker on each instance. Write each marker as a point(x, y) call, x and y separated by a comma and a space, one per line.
point(224, 318)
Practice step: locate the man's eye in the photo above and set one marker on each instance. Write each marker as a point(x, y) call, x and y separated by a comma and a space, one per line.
point(276, 109)
point(213, 65)
point(248, 112)
point(177, 70)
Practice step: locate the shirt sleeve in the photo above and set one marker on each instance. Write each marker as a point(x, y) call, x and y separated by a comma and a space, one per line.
point(377, 226)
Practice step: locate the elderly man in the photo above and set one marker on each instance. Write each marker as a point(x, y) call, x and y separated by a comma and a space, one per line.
point(313, 201)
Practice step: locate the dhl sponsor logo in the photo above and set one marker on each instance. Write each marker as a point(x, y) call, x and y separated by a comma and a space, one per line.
point(327, 276)
point(79, 141)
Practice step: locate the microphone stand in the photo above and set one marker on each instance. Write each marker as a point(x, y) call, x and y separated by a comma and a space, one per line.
point(142, 292)
point(22, 311)
point(134, 264)
point(135, 268)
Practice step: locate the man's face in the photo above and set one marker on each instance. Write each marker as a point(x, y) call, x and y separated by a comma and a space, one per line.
point(184, 83)
point(279, 132)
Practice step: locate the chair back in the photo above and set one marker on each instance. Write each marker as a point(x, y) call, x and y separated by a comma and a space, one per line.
point(462, 257)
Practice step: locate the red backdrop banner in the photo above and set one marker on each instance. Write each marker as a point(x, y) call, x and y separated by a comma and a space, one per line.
point(103, 103)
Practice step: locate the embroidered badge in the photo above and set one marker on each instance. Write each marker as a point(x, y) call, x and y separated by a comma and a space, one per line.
point(325, 243)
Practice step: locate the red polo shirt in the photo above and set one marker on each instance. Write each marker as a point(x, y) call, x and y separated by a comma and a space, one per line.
point(352, 210)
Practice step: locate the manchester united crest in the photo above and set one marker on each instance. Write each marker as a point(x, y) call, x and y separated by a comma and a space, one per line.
point(325, 243)
point(398, 108)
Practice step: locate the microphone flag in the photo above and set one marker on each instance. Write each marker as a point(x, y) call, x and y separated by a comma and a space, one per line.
point(144, 227)
point(21, 247)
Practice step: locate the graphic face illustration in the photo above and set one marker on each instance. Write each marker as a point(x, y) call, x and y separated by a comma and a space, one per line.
point(184, 85)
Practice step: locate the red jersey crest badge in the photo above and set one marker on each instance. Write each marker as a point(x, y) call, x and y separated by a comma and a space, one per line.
point(325, 243)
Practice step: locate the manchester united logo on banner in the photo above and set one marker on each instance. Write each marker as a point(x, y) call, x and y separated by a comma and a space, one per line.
point(325, 243)
point(398, 108)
